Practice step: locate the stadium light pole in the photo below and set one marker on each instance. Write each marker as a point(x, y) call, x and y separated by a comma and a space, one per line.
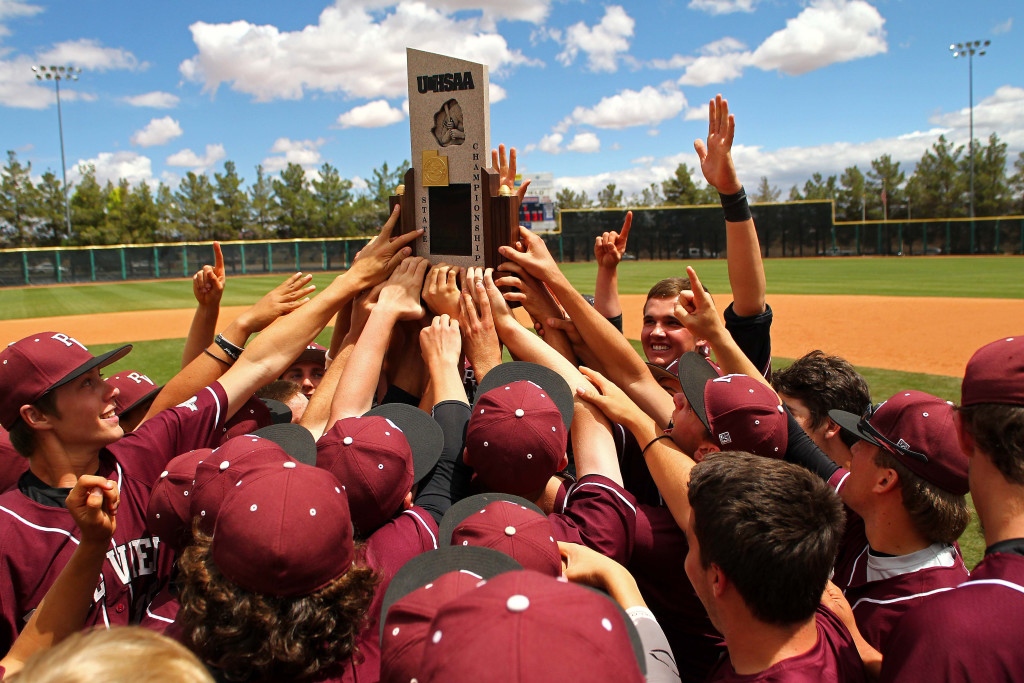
point(969, 49)
point(58, 74)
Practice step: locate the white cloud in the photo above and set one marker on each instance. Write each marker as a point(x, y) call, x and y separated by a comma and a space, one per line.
point(347, 51)
point(497, 93)
point(359, 184)
point(826, 32)
point(113, 166)
point(155, 99)
point(673, 62)
point(823, 33)
point(552, 144)
point(646, 107)
point(722, 6)
point(302, 152)
point(1002, 113)
point(374, 114)
point(157, 132)
point(186, 158)
point(533, 11)
point(1003, 27)
point(603, 43)
point(584, 143)
point(89, 54)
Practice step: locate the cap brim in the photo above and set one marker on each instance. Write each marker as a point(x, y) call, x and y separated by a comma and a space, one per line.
point(851, 423)
point(150, 395)
point(694, 373)
point(100, 361)
point(280, 413)
point(294, 439)
point(549, 380)
point(459, 511)
point(424, 568)
point(426, 440)
point(312, 356)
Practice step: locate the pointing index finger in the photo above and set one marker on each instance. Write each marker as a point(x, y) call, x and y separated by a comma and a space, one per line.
point(218, 259)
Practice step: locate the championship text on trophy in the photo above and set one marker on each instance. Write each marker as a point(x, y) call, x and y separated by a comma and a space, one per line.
point(449, 191)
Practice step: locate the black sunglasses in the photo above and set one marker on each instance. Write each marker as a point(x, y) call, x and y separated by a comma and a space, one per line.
point(865, 427)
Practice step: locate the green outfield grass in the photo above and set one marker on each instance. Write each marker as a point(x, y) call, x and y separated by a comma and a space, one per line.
point(978, 276)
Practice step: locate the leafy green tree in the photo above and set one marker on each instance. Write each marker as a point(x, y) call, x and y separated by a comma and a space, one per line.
point(680, 190)
point(794, 194)
point(765, 192)
point(19, 201)
point(141, 217)
point(1017, 185)
point(88, 209)
point(332, 198)
point(991, 192)
point(169, 226)
point(885, 175)
point(820, 188)
point(610, 197)
point(649, 196)
point(370, 209)
point(232, 214)
point(52, 227)
point(936, 190)
point(568, 199)
point(293, 202)
point(852, 195)
point(261, 206)
point(196, 206)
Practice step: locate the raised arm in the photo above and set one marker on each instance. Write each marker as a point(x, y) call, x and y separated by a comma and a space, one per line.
point(208, 288)
point(746, 271)
point(608, 250)
point(624, 366)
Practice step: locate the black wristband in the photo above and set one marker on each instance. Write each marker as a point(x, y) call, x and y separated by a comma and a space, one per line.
point(651, 442)
point(233, 351)
point(207, 352)
point(735, 206)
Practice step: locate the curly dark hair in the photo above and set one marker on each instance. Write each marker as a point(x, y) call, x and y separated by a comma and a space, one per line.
point(249, 636)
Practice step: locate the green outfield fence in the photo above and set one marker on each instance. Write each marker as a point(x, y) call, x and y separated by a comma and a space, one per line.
point(789, 229)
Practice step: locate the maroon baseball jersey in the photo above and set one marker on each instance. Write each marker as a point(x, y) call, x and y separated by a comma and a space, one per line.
point(833, 659)
point(600, 514)
point(37, 540)
point(659, 551)
point(160, 614)
point(12, 463)
point(971, 633)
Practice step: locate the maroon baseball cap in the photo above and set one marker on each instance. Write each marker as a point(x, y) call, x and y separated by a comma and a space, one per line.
point(918, 430)
point(740, 412)
point(525, 626)
point(133, 389)
point(506, 523)
point(168, 514)
point(517, 433)
point(419, 589)
point(995, 374)
point(241, 458)
point(285, 533)
point(32, 366)
point(372, 459)
point(313, 353)
point(251, 416)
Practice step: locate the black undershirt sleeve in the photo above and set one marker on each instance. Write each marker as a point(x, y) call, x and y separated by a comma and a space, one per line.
point(438, 491)
point(803, 451)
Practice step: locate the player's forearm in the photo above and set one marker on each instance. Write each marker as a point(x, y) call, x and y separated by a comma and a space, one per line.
point(63, 609)
point(746, 270)
point(200, 333)
point(606, 292)
point(446, 382)
point(730, 356)
point(524, 345)
point(670, 469)
point(342, 322)
point(318, 411)
point(593, 446)
point(362, 370)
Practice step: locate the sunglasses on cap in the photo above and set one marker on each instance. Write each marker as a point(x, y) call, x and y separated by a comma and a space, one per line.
point(866, 428)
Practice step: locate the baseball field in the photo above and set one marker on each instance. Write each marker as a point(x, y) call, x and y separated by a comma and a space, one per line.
point(906, 323)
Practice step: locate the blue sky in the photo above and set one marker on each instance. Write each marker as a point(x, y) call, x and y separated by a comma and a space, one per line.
point(592, 92)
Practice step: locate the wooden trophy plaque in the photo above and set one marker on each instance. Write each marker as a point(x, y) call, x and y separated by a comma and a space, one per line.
point(449, 191)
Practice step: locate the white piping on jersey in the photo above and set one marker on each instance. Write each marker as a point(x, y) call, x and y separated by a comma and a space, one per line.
point(158, 618)
point(424, 524)
point(581, 484)
point(217, 401)
point(994, 582)
point(36, 526)
point(855, 563)
point(901, 598)
point(839, 485)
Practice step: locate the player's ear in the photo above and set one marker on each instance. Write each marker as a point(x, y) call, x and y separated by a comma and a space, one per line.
point(564, 462)
point(704, 450)
point(967, 444)
point(887, 481)
point(718, 580)
point(407, 501)
point(831, 428)
point(34, 418)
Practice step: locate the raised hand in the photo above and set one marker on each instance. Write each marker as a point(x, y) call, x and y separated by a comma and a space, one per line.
point(507, 170)
point(716, 155)
point(479, 337)
point(532, 254)
point(441, 342)
point(610, 246)
point(533, 295)
point(402, 292)
point(378, 259)
point(696, 309)
point(441, 290)
point(208, 282)
point(610, 399)
point(93, 505)
point(283, 299)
